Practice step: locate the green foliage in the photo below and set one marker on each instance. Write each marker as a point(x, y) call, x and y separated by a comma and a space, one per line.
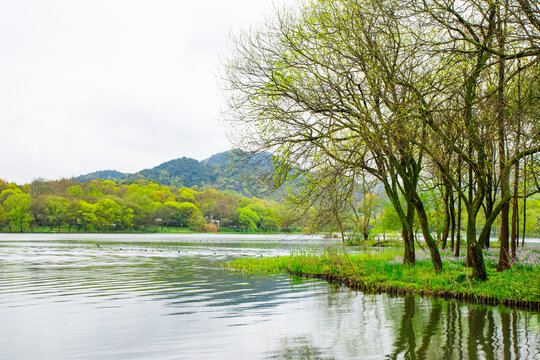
point(104, 205)
point(248, 219)
point(57, 209)
point(186, 171)
point(17, 207)
point(380, 269)
point(4, 220)
point(7, 193)
point(92, 190)
point(87, 215)
point(189, 213)
point(75, 191)
point(387, 220)
point(196, 222)
point(102, 175)
point(107, 213)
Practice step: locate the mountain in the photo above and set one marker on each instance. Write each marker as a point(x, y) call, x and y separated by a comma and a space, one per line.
point(180, 172)
point(229, 170)
point(104, 175)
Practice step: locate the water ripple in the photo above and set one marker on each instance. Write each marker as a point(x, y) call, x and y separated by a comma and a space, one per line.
point(67, 298)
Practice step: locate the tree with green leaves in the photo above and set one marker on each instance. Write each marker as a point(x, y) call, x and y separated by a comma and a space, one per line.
point(320, 85)
point(483, 42)
point(4, 220)
point(57, 210)
point(17, 208)
point(107, 213)
point(248, 219)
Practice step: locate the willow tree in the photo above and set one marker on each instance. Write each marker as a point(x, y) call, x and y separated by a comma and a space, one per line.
point(324, 83)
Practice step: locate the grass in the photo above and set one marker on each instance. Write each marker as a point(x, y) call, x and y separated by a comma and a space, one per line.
point(384, 269)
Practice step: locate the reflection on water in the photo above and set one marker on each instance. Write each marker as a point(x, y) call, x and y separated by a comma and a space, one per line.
point(165, 297)
point(449, 330)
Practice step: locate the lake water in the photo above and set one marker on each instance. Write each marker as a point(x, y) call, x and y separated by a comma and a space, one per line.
point(65, 296)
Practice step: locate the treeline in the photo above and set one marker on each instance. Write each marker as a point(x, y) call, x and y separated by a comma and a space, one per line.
point(410, 94)
point(105, 206)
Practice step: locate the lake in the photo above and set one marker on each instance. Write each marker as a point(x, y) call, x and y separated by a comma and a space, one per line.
point(97, 296)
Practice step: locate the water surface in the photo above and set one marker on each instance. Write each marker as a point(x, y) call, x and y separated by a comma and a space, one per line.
point(167, 297)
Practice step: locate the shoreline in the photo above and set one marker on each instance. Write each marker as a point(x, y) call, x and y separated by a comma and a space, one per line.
point(358, 285)
point(518, 287)
point(156, 232)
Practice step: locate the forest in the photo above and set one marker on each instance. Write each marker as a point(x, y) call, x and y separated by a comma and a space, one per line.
point(403, 96)
point(108, 206)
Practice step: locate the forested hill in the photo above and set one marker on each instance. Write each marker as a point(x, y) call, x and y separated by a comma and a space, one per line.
point(222, 171)
point(102, 175)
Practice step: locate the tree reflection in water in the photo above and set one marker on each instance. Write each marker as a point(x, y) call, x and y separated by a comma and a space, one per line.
point(300, 347)
point(451, 330)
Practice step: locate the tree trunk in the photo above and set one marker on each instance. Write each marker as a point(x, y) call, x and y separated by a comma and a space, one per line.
point(474, 249)
point(458, 235)
point(365, 233)
point(452, 220)
point(406, 218)
point(409, 256)
point(524, 203)
point(489, 206)
point(515, 206)
point(430, 242)
point(446, 227)
point(469, 260)
point(408, 241)
point(504, 254)
point(515, 212)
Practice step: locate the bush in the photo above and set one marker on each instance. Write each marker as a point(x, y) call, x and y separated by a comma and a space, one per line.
point(211, 228)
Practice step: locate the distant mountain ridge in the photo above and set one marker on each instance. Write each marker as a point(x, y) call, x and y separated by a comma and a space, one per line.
point(227, 170)
point(103, 175)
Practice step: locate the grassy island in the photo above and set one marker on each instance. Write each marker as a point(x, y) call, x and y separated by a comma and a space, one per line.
point(383, 271)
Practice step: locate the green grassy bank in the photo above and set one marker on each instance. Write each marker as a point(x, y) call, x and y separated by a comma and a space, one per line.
point(384, 272)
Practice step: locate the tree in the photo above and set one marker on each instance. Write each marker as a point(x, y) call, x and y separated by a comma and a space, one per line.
point(472, 40)
point(188, 211)
point(248, 219)
point(87, 215)
point(108, 213)
point(169, 213)
point(139, 199)
point(4, 220)
point(75, 191)
point(17, 207)
point(321, 85)
point(57, 209)
point(73, 211)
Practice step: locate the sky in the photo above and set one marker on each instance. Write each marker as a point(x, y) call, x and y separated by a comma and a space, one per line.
point(121, 85)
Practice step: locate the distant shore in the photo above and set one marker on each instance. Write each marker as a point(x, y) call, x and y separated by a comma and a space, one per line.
point(149, 231)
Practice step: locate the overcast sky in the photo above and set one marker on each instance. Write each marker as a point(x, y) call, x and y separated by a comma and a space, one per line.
point(113, 84)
